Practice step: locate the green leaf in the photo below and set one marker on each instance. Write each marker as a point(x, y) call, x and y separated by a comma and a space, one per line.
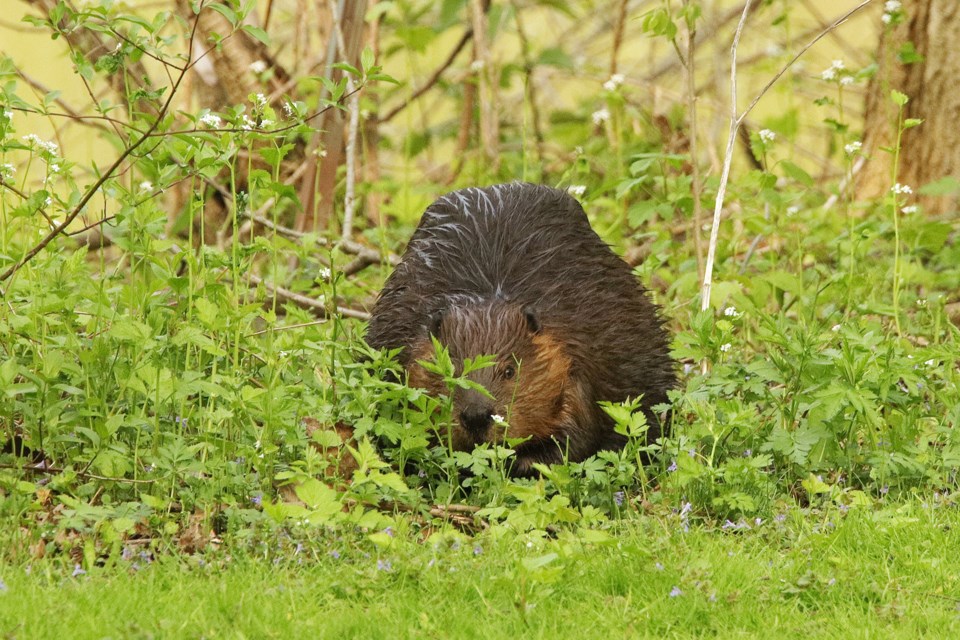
point(898, 98)
point(257, 33)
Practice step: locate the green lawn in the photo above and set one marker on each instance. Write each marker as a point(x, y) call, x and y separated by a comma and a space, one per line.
point(892, 572)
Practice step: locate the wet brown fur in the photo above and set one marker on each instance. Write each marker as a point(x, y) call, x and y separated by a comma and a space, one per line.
point(515, 271)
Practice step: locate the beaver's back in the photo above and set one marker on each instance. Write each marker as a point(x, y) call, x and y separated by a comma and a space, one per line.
point(532, 246)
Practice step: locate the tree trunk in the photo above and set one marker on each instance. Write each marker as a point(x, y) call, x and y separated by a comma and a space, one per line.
point(932, 150)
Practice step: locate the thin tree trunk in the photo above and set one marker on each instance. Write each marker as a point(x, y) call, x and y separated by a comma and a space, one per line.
point(932, 150)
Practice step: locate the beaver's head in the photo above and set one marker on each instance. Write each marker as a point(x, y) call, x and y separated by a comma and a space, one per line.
point(532, 394)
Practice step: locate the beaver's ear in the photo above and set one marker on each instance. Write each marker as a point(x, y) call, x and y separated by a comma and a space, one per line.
point(434, 320)
point(533, 320)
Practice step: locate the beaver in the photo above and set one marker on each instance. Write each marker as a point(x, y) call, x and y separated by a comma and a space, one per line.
point(516, 271)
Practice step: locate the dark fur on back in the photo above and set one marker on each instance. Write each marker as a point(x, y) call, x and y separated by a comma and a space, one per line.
point(523, 259)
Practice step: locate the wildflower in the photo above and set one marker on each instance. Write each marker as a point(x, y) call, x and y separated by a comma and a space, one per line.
point(675, 592)
point(288, 109)
point(837, 65)
point(78, 571)
point(886, 18)
point(615, 81)
point(497, 418)
point(884, 490)
point(853, 147)
point(618, 498)
point(673, 466)
point(847, 80)
point(828, 74)
point(577, 190)
point(476, 65)
point(931, 362)
point(725, 347)
point(36, 141)
point(891, 6)
point(658, 566)
point(146, 186)
point(832, 582)
point(901, 188)
point(335, 554)
point(257, 499)
point(384, 565)
point(600, 116)
point(3, 585)
point(324, 273)
point(259, 100)
point(389, 531)
point(910, 209)
point(477, 550)
point(248, 124)
point(7, 170)
point(258, 66)
point(211, 120)
point(54, 168)
point(767, 136)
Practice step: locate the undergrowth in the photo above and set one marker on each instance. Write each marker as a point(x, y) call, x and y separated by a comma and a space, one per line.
point(161, 387)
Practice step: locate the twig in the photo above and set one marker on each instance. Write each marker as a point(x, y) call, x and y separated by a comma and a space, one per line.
point(305, 302)
point(433, 79)
point(82, 474)
point(353, 125)
point(621, 25)
point(694, 150)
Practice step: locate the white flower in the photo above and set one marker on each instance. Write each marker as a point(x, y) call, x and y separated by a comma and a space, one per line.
point(725, 347)
point(837, 65)
point(7, 170)
point(767, 136)
point(615, 81)
point(910, 209)
point(931, 363)
point(853, 148)
point(266, 122)
point(8, 115)
point(835, 328)
point(792, 209)
point(211, 120)
point(258, 66)
point(886, 18)
point(731, 312)
point(48, 202)
point(324, 273)
point(901, 188)
point(260, 100)
point(248, 124)
point(146, 186)
point(577, 190)
point(476, 65)
point(828, 74)
point(288, 109)
point(847, 80)
point(891, 6)
point(601, 116)
point(54, 168)
point(36, 141)
point(497, 418)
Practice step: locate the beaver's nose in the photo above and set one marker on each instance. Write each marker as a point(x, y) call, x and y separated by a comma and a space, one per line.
point(476, 419)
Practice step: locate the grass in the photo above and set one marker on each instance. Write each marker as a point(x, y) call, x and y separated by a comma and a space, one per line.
point(865, 573)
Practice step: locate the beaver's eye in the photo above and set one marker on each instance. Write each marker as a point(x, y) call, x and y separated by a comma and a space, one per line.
point(508, 372)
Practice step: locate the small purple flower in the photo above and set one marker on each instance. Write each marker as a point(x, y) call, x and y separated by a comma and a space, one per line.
point(884, 490)
point(618, 498)
point(477, 550)
point(780, 517)
point(675, 592)
point(832, 582)
point(692, 452)
point(3, 585)
point(299, 549)
point(78, 571)
point(127, 553)
point(713, 597)
point(335, 554)
point(384, 565)
point(748, 453)
point(757, 522)
point(389, 531)
point(844, 508)
point(257, 499)
point(673, 466)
